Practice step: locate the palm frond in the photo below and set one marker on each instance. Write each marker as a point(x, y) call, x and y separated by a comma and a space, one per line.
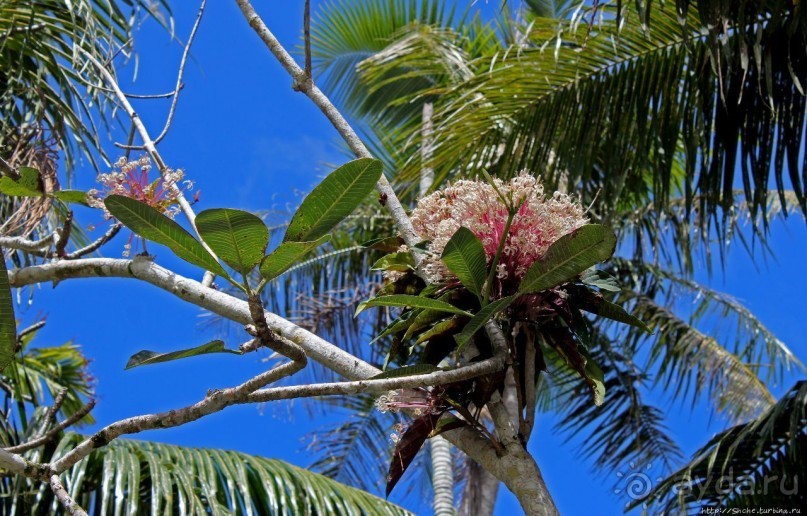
point(598, 107)
point(756, 464)
point(672, 238)
point(38, 374)
point(42, 81)
point(356, 451)
point(345, 32)
point(624, 429)
point(139, 477)
point(690, 364)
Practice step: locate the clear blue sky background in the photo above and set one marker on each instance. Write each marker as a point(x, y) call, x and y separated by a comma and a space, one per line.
point(250, 142)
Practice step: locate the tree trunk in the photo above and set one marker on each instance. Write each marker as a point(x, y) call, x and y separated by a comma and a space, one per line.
point(480, 493)
point(442, 464)
point(426, 146)
point(442, 476)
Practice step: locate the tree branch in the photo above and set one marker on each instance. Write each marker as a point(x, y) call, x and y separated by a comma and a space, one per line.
point(339, 122)
point(67, 502)
point(48, 436)
point(149, 146)
point(215, 401)
point(316, 348)
point(181, 72)
point(94, 246)
point(28, 246)
point(488, 366)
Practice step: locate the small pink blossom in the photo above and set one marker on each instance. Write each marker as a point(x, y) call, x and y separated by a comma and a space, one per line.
point(131, 179)
point(420, 401)
point(476, 205)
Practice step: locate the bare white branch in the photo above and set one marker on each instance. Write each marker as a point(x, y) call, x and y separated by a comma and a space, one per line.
point(305, 84)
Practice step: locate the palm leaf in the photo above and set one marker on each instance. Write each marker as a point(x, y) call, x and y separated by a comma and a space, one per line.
point(624, 429)
point(139, 477)
point(760, 459)
point(595, 107)
point(43, 82)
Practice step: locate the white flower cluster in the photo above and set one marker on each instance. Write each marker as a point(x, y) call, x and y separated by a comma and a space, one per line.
point(476, 205)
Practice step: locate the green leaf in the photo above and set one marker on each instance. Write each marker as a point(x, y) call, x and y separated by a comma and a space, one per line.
point(398, 325)
point(286, 255)
point(423, 320)
point(153, 225)
point(411, 301)
point(447, 326)
point(146, 357)
point(595, 303)
point(27, 186)
point(333, 199)
point(237, 237)
point(384, 244)
point(601, 279)
point(466, 259)
point(594, 377)
point(401, 262)
point(482, 317)
point(570, 255)
point(8, 325)
point(410, 370)
point(72, 196)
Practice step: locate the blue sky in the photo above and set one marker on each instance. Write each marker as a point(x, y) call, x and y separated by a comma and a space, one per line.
point(250, 142)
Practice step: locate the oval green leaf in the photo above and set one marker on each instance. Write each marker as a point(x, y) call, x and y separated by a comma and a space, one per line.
point(570, 255)
point(480, 318)
point(8, 324)
point(153, 225)
point(333, 199)
point(411, 301)
point(286, 255)
point(465, 257)
point(147, 357)
point(72, 197)
point(27, 186)
point(401, 262)
point(238, 237)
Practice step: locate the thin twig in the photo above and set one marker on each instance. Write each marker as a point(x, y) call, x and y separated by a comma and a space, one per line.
point(155, 95)
point(64, 498)
point(50, 415)
point(336, 118)
point(129, 141)
point(215, 401)
point(270, 338)
point(250, 345)
point(48, 436)
point(307, 39)
point(30, 329)
point(7, 170)
point(94, 246)
point(475, 370)
point(178, 87)
point(148, 144)
point(64, 236)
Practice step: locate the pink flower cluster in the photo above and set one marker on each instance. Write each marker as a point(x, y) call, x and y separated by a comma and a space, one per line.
point(476, 205)
point(131, 179)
